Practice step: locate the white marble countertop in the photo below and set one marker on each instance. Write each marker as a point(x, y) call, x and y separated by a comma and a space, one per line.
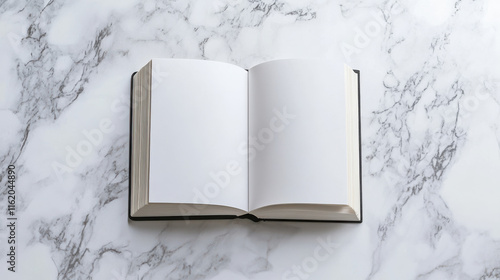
point(430, 125)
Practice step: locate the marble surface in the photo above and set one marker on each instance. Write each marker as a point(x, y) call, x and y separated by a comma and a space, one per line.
point(430, 125)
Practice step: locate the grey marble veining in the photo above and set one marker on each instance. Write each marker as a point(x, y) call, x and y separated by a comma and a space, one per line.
point(430, 127)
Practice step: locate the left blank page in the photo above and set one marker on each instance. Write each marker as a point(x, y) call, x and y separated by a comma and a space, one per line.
point(198, 123)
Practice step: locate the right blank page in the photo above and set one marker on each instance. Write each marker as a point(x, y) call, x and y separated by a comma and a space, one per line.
point(297, 133)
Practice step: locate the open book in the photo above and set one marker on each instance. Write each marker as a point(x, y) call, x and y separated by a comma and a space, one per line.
point(279, 141)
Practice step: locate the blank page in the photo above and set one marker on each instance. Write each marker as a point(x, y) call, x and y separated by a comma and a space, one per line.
point(297, 130)
point(198, 123)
